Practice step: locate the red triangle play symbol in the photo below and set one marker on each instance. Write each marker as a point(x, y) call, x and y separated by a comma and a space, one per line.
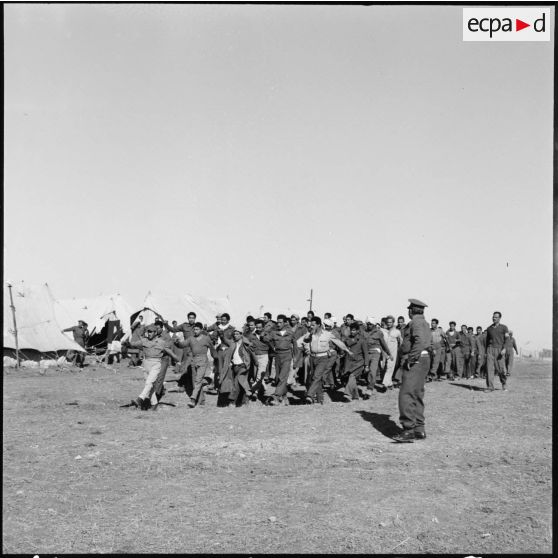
point(519, 25)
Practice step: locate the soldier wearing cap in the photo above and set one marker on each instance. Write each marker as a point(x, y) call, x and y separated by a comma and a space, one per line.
point(81, 335)
point(417, 346)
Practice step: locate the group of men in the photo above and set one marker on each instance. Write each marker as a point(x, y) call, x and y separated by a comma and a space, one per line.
point(265, 359)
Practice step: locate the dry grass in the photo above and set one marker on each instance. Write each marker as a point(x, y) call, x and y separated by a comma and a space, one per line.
point(282, 479)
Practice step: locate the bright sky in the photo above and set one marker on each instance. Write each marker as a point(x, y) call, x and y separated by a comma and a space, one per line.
point(260, 151)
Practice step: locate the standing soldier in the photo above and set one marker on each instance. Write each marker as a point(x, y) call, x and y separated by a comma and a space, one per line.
point(81, 335)
point(438, 346)
point(510, 346)
point(417, 345)
point(496, 336)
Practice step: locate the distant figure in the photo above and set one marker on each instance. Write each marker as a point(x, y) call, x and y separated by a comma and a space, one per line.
point(510, 346)
point(453, 355)
point(480, 338)
point(439, 344)
point(81, 336)
point(496, 336)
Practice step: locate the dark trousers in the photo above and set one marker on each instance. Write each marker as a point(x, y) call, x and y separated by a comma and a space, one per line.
point(467, 363)
point(351, 389)
point(241, 386)
point(481, 362)
point(110, 358)
point(495, 362)
point(411, 395)
point(318, 367)
point(282, 369)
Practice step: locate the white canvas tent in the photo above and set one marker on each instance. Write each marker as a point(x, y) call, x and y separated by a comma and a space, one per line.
point(95, 311)
point(176, 307)
point(37, 328)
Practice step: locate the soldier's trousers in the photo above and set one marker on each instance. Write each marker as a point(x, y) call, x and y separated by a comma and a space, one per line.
point(494, 361)
point(374, 362)
point(318, 366)
point(509, 361)
point(454, 362)
point(283, 362)
point(411, 395)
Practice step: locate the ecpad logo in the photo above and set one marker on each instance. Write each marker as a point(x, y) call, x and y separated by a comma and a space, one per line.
point(506, 24)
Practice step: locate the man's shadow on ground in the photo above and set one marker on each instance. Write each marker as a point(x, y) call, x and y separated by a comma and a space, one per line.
point(468, 386)
point(382, 423)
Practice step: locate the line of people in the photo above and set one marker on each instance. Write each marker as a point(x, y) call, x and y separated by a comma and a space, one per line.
point(265, 359)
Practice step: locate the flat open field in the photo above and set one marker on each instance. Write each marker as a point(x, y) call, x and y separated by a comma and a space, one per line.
point(324, 479)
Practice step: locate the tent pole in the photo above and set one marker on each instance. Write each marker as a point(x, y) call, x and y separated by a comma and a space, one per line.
point(15, 324)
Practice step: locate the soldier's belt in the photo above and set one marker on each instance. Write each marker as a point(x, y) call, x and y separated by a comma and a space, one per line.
point(326, 353)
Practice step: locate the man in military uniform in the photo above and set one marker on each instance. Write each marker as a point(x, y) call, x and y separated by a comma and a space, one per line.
point(417, 346)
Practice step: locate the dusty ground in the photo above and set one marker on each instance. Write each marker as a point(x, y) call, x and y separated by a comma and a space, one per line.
point(321, 479)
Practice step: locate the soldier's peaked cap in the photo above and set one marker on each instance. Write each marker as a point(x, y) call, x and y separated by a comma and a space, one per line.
point(415, 303)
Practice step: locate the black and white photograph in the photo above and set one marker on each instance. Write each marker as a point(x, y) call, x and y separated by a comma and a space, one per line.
point(278, 278)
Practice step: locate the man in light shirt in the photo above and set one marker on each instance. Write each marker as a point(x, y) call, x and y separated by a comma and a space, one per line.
point(318, 342)
point(393, 340)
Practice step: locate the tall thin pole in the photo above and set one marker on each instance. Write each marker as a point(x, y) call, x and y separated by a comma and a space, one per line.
point(15, 324)
point(310, 299)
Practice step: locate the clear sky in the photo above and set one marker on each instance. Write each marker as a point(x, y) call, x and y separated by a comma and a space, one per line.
point(260, 151)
